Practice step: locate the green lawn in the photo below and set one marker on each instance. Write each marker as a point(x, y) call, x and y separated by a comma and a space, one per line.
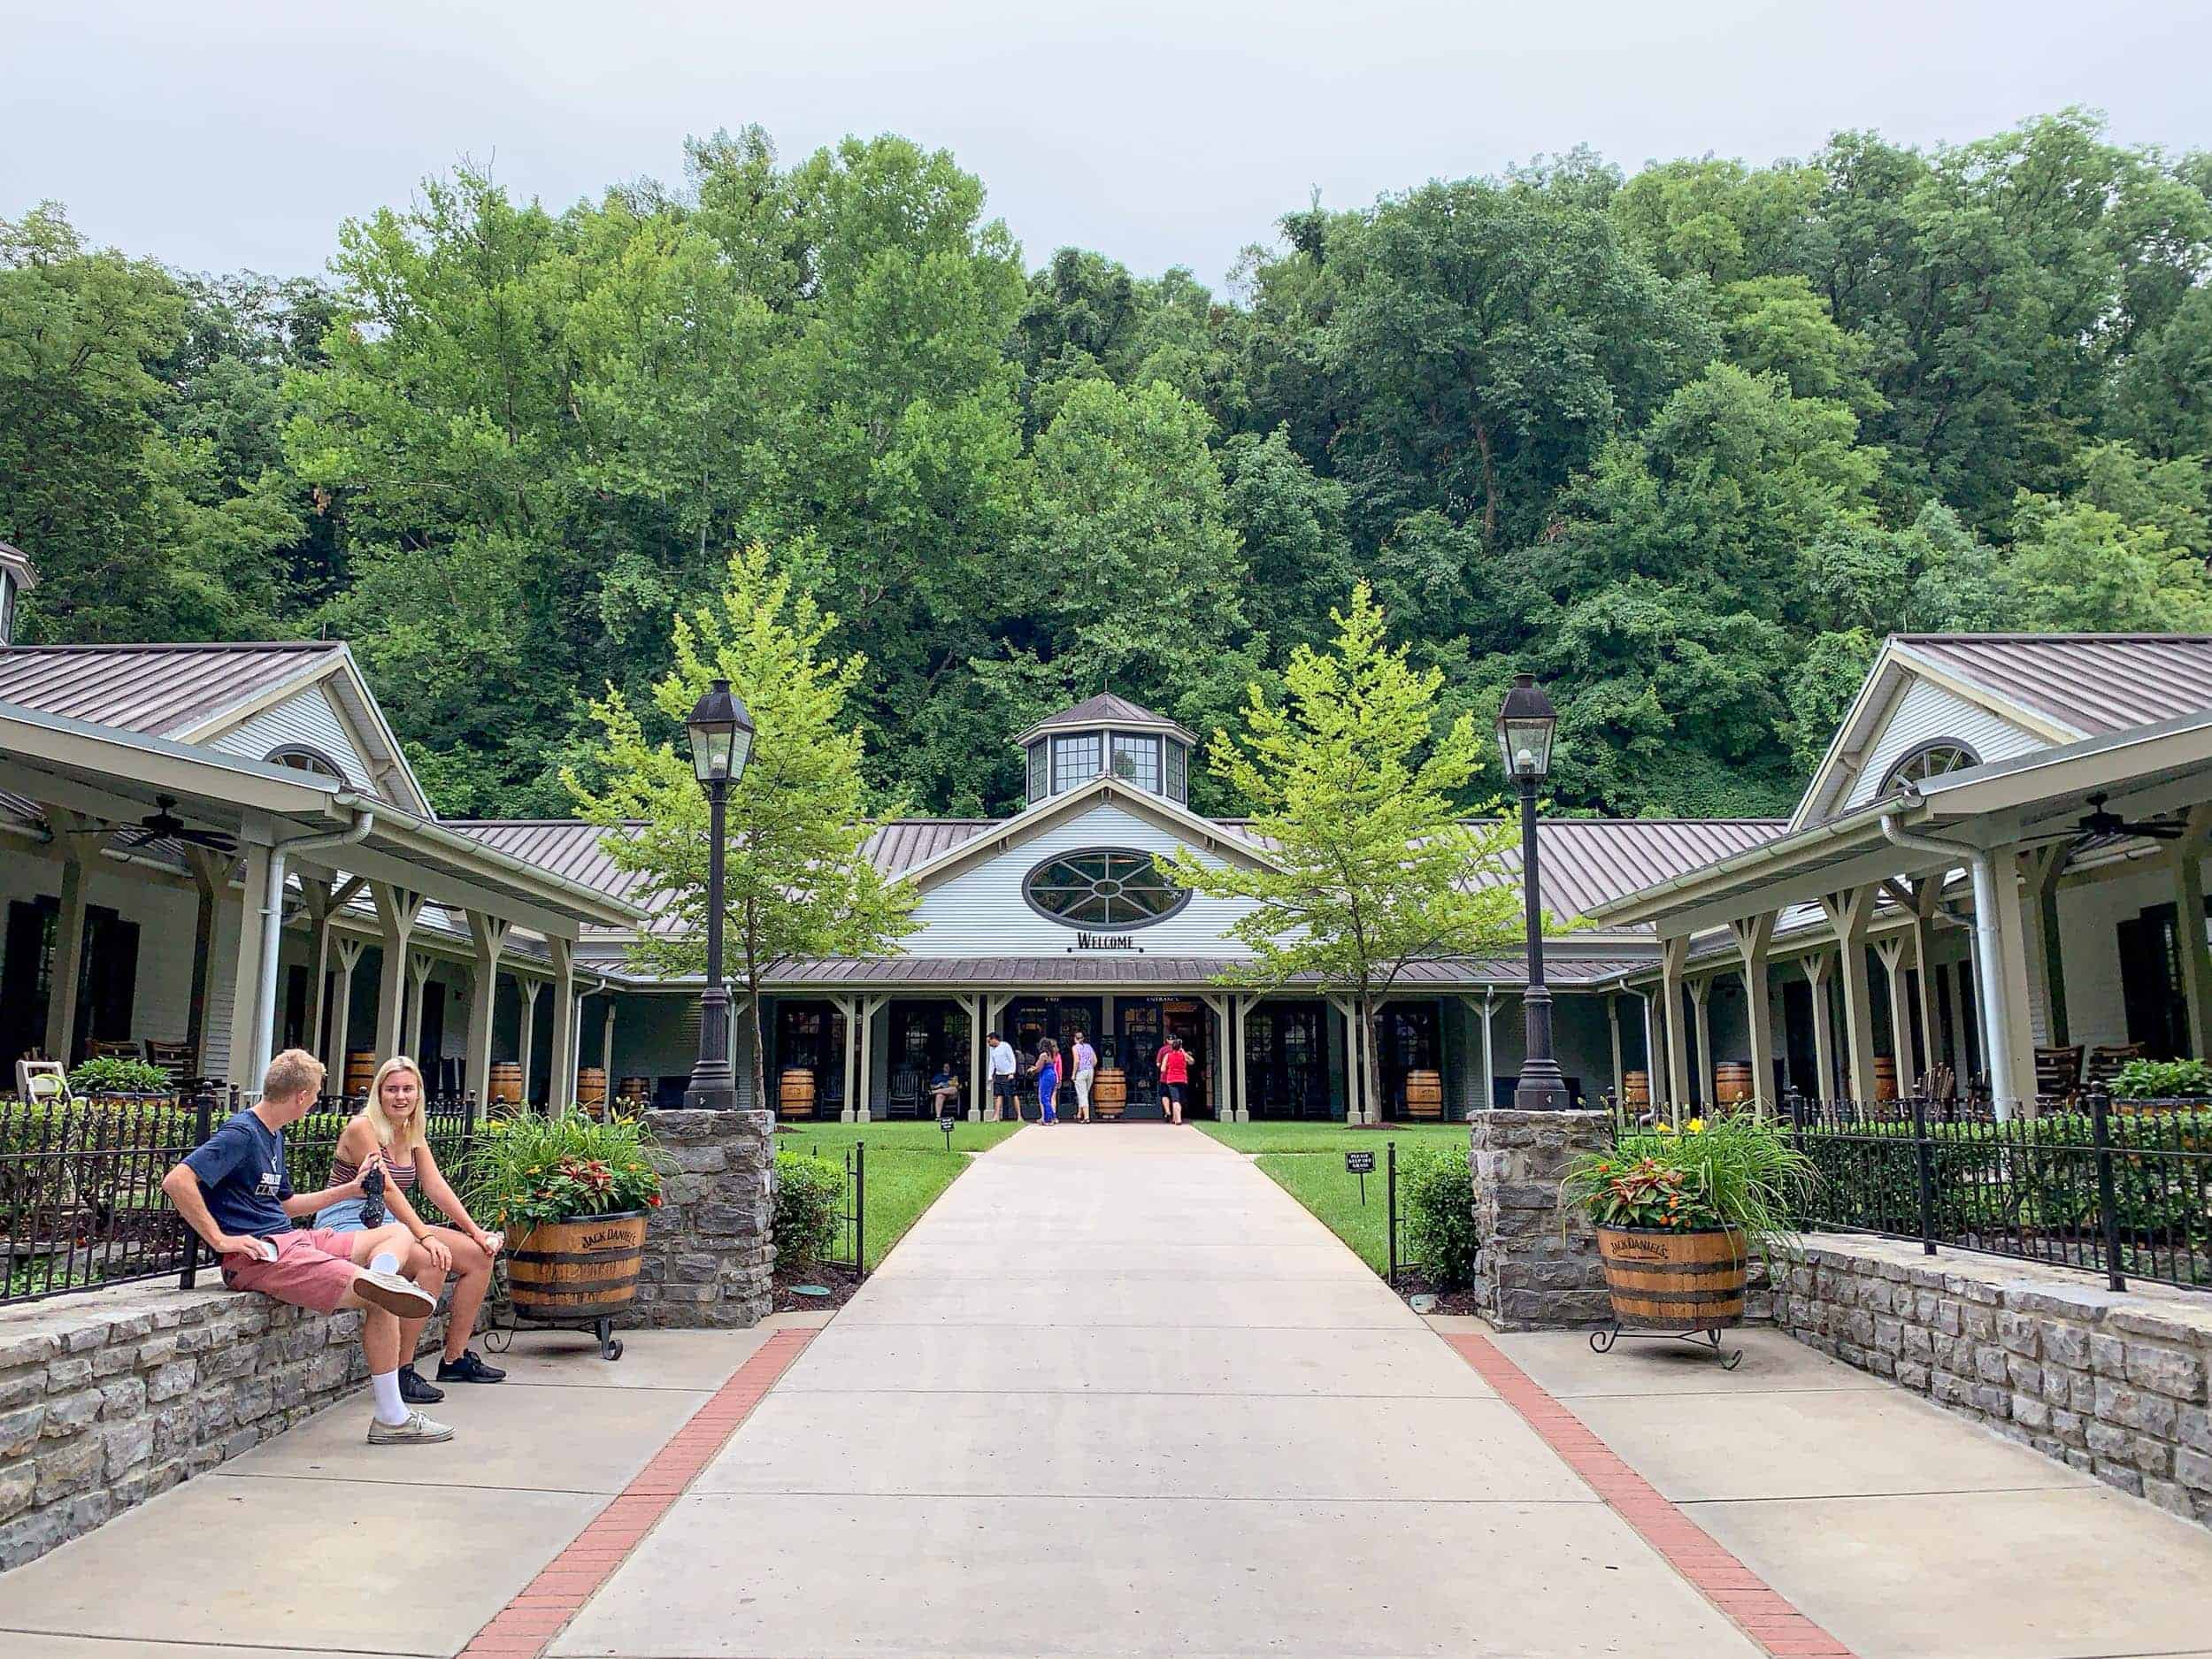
point(1306, 1161)
point(906, 1165)
point(1329, 1137)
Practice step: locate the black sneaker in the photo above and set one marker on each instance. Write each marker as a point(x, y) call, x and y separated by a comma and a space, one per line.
point(416, 1392)
point(468, 1368)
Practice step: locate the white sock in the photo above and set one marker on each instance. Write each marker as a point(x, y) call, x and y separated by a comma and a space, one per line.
point(384, 1262)
point(391, 1410)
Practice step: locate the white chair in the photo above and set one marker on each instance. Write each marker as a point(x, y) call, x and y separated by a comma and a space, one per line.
point(41, 1080)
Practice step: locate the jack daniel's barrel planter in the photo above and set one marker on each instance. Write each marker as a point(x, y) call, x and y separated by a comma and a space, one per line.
point(1424, 1095)
point(585, 1269)
point(1662, 1279)
point(794, 1092)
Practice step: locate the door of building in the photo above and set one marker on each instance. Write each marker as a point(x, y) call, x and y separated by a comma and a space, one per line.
point(1286, 1055)
point(925, 1036)
point(1409, 1042)
point(811, 1035)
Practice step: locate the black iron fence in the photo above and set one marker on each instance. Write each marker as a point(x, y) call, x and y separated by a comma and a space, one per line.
point(851, 1249)
point(2124, 1188)
point(81, 1198)
point(1401, 1260)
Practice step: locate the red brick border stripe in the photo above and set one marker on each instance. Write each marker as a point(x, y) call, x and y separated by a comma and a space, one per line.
point(526, 1625)
point(1759, 1610)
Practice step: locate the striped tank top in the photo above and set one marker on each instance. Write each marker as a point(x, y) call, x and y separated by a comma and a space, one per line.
point(400, 1173)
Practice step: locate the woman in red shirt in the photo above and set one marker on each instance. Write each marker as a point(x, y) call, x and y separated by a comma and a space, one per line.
point(1173, 1062)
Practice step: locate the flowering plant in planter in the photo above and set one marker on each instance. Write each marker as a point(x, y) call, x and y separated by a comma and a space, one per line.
point(1677, 1215)
point(529, 1170)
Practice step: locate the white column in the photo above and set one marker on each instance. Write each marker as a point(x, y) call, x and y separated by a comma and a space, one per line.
point(2188, 857)
point(1673, 953)
point(870, 1006)
point(1892, 952)
point(249, 1044)
point(1613, 1022)
point(78, 845)
point(1848, 914)
point(1754, 937)
point(1700, 999)
point(606, 1048)
point(526, 1042)
point(1927, 894)
point(342, 1015)
point(1654, 1087)
point(420, 966)
point(2000, 978)
point(1818, 966)
point(1488, 1095)
point(560, 1092)
point(397, 910)
point(489, 935)
point(978, 1084)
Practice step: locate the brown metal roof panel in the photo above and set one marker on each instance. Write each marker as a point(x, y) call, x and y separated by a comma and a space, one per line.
point(2094, 683)
point(156, 690)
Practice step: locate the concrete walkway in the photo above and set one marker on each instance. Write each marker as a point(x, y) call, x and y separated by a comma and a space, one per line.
point(1118, 1394)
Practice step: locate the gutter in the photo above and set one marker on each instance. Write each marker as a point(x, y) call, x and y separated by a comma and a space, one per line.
point(1988, 957)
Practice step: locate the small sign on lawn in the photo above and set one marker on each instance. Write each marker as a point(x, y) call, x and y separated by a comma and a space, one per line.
point(1362, 1164)
point(944, 1124)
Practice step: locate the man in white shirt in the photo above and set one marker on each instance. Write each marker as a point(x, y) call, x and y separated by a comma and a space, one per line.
point(1005, 1091)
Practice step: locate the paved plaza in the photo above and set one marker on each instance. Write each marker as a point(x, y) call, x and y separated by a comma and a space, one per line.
point(1117, 1394)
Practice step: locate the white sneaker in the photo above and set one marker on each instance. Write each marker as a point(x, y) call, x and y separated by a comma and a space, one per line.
point(417, 1430)
point(394, 1294)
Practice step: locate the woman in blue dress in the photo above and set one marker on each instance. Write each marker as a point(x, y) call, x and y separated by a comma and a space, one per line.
point(1046, 1072)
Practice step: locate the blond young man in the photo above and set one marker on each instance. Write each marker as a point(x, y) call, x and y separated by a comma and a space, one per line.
point(234, 1192)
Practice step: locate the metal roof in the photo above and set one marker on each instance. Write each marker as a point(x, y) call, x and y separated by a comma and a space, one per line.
point(1118, 968)
point(2094, 683)
point(153, 690)
point(1107, 709)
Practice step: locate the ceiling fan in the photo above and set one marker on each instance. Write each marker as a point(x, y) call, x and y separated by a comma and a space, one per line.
point(162, 825)
point(2099, 822)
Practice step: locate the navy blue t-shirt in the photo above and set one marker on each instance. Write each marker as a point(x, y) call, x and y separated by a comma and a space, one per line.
point(242, 1177)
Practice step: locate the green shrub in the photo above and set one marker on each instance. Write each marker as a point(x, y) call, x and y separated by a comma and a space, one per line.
point(524, 1170)
point(1737, 1171)
point(1439, 1214)
point(115, 1074)
point(810, 1208)
point(2164, 1080)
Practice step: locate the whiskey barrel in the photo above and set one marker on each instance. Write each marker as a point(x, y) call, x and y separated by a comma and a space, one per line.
point(1884, 1078)
point(1732, 1082)
point(1664, 1281)
point(795, 1091)
point(360, 1073)
point(637, 1088)
point(1636, 1090)
point(1425, 1093)
point(507, 1082)
point(585, 1269)
point(591, 1086)
point(1109, 1091)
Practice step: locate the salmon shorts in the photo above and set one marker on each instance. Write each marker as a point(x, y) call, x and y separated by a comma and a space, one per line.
point(312, 1270)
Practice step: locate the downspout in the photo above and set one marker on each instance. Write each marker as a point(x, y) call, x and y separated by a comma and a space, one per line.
point(1988, 951)
point(273, 931)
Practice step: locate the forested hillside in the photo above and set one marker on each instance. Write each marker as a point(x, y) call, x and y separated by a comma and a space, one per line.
point(1686, 444)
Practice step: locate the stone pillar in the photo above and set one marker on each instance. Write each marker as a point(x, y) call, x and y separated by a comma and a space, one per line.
point(709, 1258)
point(1533, 1273)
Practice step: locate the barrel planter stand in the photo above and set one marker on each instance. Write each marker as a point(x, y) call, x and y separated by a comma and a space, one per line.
point(572, 1275)
point(1669, 1283)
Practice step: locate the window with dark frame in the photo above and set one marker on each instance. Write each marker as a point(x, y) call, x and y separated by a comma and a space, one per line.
point(1102, 888)
point(1075, 759)
point(1137, 760)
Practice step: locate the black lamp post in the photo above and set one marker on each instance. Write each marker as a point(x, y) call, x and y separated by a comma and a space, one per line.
point(1525, 724)
point(721, 742)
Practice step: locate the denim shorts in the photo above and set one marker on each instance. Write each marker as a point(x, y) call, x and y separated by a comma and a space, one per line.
point(343, 1216)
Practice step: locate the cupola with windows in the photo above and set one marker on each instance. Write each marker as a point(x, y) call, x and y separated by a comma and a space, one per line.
point(1107, 734)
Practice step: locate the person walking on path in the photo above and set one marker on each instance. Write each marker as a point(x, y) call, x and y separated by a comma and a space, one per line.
point(1005, 1084)
point(234, 1192)
point(1173, 1062)
point(1084, 1059)
point(1047, 1071)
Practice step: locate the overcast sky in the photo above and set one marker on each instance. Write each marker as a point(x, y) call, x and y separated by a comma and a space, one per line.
point(230, 133)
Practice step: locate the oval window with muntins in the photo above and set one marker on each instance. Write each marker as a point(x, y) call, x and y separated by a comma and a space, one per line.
point(1102, 888)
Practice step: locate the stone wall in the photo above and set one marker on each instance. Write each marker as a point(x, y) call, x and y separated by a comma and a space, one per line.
point(110, 1396)
point(709, 1258)
point(1537, 1269)
point(2110, 1382)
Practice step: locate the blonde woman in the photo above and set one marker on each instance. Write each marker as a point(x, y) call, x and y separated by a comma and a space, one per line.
point(387, 1135)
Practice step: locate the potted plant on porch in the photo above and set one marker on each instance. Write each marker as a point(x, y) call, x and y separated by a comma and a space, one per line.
point(1679, 1214)
point(572, 1194)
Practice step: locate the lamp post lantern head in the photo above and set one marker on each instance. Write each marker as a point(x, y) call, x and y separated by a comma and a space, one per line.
point(721, 735)
point(1525, 724)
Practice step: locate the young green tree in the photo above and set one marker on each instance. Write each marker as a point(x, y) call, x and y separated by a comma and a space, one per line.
point(1371, 868)
point(798, 880)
